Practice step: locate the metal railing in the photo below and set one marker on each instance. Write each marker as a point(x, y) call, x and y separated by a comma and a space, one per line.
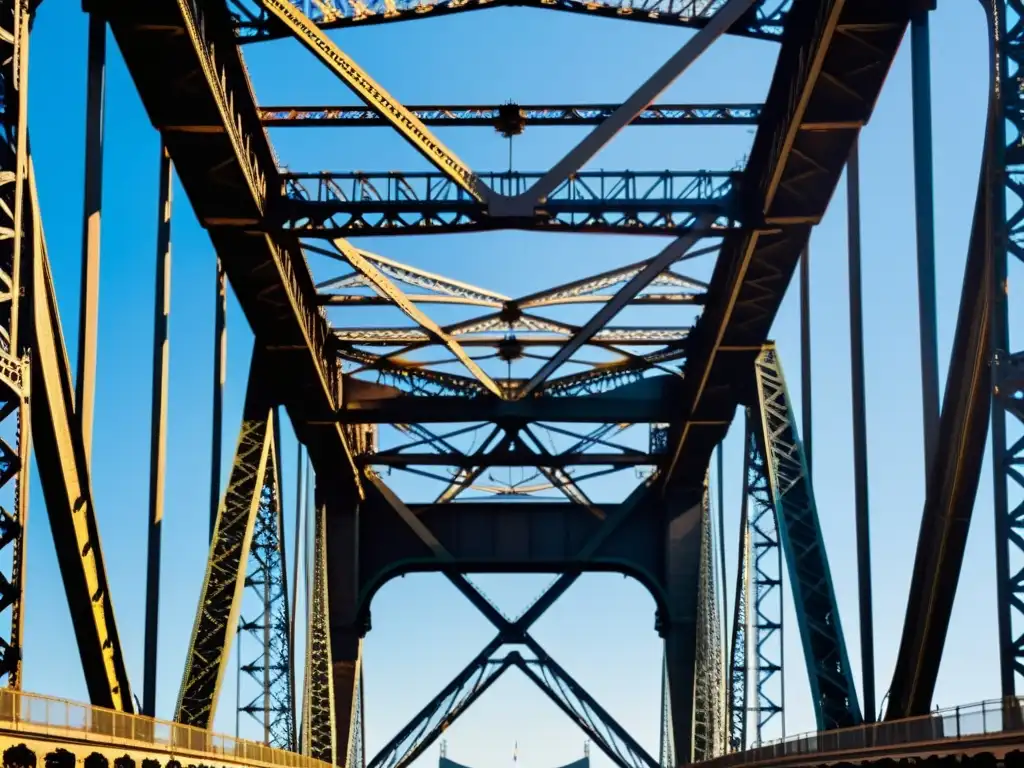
point(954, 724)
point(33, 713)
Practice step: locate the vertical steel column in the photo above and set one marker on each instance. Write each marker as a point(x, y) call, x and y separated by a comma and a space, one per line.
point(220, 351)
point(85, 381)
point(158, 430)
point(1005, 104)
point(720, 466)
point(925, 219)
point(805, 353)
point(860, 458)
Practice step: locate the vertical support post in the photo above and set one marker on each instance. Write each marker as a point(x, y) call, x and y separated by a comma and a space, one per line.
point(158, 430)
point(806, 390)
point(318, 717)
point(679, 627)
point(85, 381)
point(720, 467)
point(860, 458)
point(341, 520)
point(220, 351)
point(15, 384)
point(1003, 167)
point(925, 220)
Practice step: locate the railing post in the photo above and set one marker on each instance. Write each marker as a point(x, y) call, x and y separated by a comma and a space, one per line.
point(958, 723)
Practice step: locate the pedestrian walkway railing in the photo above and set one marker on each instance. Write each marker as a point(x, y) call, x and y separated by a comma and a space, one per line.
point(33, 713)
point(956, 723)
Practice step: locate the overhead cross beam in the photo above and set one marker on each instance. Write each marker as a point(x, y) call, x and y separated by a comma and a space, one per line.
point(491, 116)
point(765, 23)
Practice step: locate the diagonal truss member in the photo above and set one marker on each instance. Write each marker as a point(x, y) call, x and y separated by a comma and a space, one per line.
point(274, 706)
point(374, 96)
point(221, 598)
point(781, 459)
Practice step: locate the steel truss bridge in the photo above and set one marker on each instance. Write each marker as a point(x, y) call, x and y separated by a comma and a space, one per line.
point(364, 401)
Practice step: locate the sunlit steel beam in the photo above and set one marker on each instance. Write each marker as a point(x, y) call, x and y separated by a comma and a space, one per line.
point(374, 96)
point(385, 287)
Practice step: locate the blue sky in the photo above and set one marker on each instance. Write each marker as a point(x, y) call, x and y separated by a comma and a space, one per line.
point(423, 631)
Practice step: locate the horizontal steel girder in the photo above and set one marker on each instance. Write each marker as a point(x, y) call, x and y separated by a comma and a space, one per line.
point(389, 337)
point(509, 459)
point(509, 537)
point(494, 116)
point(331, 204)
point(253, 25)
point(593, 409)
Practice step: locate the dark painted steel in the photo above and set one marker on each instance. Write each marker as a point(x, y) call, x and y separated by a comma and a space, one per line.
point(953, 476)
point(220, 352)
point(158, 431)
point(860, 436)
point(1007, 351)
point(85, 381)
point(924, 201)
point(806, 389)
point(820, 80)
point(780, 460)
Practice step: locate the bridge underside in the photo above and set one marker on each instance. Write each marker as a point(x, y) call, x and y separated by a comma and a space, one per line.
point(633, 411)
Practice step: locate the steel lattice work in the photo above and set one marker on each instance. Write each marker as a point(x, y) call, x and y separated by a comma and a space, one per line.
point(267, 580)
point(709, 721)
point(765, 565)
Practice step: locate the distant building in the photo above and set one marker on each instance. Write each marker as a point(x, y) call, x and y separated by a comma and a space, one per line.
point(444, 762)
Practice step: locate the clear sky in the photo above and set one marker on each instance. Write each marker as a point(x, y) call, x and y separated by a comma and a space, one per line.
point(423, 631)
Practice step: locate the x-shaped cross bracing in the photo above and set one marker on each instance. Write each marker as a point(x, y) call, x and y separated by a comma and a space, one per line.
point(480, 673)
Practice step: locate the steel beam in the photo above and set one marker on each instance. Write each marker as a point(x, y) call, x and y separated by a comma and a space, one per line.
point(15, 370)
point(85, 381)
point(332, 204)
point(508, 459)
point(833, 692)
point(374, 96)
point(64, 476)
point(491, 116)
point(727, 14)
point(954, 474)
point(158, 431)
point(221, 596)
point(656, 266)
point(594, 409)
point(388, 289)
point(253, 24)
point(318, 691)
point(823, 91)
point(189, 73)
point(1007, 347)
point(266, 576)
